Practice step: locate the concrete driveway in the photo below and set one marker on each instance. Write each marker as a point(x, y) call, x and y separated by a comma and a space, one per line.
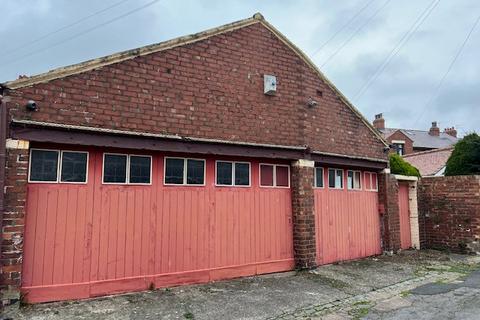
point(374, 288)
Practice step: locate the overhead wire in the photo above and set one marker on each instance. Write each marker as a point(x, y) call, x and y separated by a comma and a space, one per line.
point(342, 27)
point(396, 49)
point(330, 57)
point(83, 32)
point(447, 72)
point(49, 34)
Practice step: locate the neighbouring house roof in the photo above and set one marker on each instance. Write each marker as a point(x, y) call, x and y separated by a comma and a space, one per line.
point(431, 162)
point(422, 139)
point(181, 41)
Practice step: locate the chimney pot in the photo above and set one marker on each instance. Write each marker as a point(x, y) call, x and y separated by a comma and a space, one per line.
point(379, 122)
point(434, 130)
point(451, 131)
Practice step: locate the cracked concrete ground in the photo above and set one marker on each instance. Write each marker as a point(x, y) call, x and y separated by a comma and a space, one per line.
point(457, 300)
point(286, 295)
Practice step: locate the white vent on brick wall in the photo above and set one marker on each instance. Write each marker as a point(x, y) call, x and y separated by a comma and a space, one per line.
point(269, 84)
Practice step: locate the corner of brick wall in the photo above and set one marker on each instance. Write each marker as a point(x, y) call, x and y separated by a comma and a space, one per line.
point(13, 220)
point(449, 213)
point(303, 207)
point(389, 210)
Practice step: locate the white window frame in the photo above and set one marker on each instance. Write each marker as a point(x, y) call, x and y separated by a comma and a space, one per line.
point(127, 180)
point(184, 184)
point(30, 165)
point(315, 178)
point(128, 170)
point(233, 174)
point(61, 163)
point(372, 188)
point(343, 179)
point(353, 180)
point(274, 175)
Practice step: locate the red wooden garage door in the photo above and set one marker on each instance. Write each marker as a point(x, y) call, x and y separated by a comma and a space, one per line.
point(347, 219)
point(404, 211)
point(86, 240)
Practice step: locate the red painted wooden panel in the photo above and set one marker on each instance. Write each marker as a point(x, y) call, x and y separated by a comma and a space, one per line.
point(403, 201)
point(347, 223)
point(85, 240)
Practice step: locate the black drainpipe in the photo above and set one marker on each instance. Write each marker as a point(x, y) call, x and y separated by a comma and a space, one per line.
point(3, 153)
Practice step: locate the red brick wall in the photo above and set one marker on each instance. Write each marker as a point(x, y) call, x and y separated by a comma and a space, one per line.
point(303, 211)
point(211, 89)
point(398, 135)
point(389, 210)
point(449, 213)
point(13, 222)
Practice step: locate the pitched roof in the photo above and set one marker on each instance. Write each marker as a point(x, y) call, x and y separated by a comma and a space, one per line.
point(429, 162)
point(181, 41)
point(422, 139)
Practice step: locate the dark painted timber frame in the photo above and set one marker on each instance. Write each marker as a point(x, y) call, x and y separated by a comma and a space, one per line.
point(39, 134)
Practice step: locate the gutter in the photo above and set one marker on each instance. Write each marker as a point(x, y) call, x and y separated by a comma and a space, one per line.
point(3, 154)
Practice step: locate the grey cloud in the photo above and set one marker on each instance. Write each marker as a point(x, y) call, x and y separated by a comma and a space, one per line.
point(401, 91)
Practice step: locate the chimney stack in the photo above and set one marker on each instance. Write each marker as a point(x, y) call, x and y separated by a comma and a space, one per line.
point(434, 130)
point(451, 131)
point(379, 122)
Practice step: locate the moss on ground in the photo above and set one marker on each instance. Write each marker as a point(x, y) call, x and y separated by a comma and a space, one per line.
point(360, 310)
point(331, 282)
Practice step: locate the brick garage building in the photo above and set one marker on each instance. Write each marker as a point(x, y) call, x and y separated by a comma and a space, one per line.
point(170, 164)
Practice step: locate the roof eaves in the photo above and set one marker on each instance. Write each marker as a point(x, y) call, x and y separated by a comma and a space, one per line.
point(51, 125)
point(128, 54)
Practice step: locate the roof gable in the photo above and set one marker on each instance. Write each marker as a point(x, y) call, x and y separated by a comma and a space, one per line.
point(181, 41)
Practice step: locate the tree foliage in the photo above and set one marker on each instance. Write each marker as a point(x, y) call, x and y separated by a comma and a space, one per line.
point(400, 166)
point(465, 158)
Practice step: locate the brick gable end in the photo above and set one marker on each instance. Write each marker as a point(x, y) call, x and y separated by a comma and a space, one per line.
point(212, 88)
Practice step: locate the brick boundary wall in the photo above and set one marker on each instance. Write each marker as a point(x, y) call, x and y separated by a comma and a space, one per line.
point(449, 210)
point(13, 219)
point(389, 211)
point(303, 211)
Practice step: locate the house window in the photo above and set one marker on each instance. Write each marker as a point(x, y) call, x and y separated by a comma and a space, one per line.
point(274, 175)
point(174, 169)
point(181, 171)
point(115, 168)
point(140, 169)
point(335, 178)
point(353, 180)
point(399, 148)
point(319, 177)
point(123, 169)
point(74, 166)
point(58, 166)
point(371, 181)
point(242, 174)
point(232, 173)
point(43, 165)
point(374, 182)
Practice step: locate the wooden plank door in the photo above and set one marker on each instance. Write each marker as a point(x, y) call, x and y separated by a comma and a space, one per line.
point(403, 205)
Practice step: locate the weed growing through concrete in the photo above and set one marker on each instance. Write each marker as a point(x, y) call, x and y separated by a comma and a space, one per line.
point(188, 315)
point(404, 294)
point(360, 310)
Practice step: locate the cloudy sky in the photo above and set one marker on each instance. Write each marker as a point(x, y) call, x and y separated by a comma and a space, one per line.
point(351, 54)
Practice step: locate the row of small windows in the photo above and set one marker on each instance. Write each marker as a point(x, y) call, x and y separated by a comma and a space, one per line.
point(71, 167)
point(354, 180)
